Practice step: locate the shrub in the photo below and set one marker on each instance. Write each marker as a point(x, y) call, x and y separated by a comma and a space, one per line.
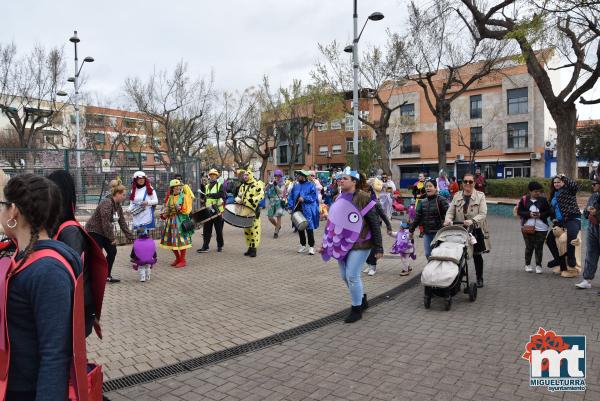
point(517, 187)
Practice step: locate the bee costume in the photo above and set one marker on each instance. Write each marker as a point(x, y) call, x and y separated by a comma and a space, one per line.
point(250, 194)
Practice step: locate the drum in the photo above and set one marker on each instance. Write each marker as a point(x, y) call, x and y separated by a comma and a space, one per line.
point(204, 214)
point(299, 221)
point(239, 215)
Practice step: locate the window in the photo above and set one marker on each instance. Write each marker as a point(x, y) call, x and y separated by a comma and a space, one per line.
point(283, 154)
point(323, 150)
point(350, 145)
point(131, 156)
point(128, 123)
point(448, 140)
point(476, 104)
point(308, 148)
point(156, 157)
point(407, 145)
point(517, 101)
point(144, 157)
point(336, 149)
point(336, 124)
point(349, 122)
point(100, 138)
point(94, 120)
point(364, 115)
point(517, 136)
point(53, 138)
point(407, 111)
point(321, 126)
point(476, 138)
point(524, 171)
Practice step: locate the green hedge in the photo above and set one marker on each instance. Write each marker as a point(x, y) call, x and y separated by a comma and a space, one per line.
point(516, 187)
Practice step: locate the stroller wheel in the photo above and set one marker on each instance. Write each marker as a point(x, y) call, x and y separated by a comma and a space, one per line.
point(427, 301)
point(448, 303)
point(472, 292)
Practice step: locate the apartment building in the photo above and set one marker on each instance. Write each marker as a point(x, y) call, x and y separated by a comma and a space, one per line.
point(502, 117)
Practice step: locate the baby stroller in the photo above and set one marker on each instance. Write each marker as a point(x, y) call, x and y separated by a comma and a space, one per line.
point(447, 268)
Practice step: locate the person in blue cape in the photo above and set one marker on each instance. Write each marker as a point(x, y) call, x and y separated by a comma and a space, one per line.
point(303, 197)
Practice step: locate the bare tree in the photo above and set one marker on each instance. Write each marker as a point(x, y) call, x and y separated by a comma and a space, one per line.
point(442, 58)
point(571, 28)
point(28, 91)
point(180, 109)
point(377, 70)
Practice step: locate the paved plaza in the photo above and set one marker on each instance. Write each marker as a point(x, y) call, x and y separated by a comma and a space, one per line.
point(399, 351)
point(220, 299)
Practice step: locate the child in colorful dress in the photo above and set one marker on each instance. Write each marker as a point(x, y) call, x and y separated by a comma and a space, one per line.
point(176, 211)
point(143, 254)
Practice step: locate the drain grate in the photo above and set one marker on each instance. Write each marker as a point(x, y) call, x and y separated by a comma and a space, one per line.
point(219, 356)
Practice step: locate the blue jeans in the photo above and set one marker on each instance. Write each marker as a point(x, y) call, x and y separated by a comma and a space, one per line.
point(350, 271)
point(427, 238)
point(592, 252)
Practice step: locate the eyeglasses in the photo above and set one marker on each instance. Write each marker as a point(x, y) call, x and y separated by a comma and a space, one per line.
point(468, 181)
point(5, 203)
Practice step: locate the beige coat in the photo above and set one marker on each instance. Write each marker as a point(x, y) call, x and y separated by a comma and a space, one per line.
point(477, 212)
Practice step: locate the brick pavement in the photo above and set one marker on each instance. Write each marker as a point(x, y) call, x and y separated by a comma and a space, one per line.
point(220, 300)
point(400, 351)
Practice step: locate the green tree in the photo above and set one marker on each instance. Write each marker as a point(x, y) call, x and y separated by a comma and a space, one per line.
point(369, 156)
point(588, 145)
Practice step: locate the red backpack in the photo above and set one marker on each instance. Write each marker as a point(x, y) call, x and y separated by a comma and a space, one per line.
point(98, 273)
point(85, 381)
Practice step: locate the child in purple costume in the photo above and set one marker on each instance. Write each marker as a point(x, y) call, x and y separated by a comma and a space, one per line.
point(143, 255)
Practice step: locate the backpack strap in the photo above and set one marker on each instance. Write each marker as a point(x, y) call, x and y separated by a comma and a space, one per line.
point(367, 208)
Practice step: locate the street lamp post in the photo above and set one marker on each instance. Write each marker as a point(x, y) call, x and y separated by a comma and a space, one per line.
point(75, 79)
point(353, 48)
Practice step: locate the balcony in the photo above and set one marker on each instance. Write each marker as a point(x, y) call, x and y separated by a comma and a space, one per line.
point(408, 151)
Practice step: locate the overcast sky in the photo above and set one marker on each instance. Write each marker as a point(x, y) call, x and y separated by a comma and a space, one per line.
point(240, 40)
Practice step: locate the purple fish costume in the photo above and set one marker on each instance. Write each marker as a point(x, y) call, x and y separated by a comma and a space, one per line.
point(144, 252)
point(403, 245)
point(344, 224)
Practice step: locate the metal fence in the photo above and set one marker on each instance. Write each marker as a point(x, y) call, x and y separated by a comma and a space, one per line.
point(97, 169)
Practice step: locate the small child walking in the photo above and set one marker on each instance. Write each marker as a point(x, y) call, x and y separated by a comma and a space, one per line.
point(143, 254)
point(404, 246)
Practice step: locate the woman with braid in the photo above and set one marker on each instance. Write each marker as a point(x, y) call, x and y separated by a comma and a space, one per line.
point(40, 293)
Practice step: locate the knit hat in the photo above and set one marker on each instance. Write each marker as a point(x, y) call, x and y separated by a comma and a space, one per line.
point(278, 172)
point(139, 174)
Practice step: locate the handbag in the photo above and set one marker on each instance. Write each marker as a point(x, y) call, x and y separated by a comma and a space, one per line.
point(187, 226)
point(479, 247)
point(528, 230)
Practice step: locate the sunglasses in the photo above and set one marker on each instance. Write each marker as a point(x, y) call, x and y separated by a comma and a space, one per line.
point(468, 181)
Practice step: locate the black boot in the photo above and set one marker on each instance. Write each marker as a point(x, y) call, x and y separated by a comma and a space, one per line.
point(365, 304)
point(355, 314)
point(252, 252)
point(479, 282)
point(247, 253)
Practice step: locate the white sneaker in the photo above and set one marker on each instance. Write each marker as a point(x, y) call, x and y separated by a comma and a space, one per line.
point(528, 269)
point(371, 272)
point(148, 270)
point(142, 274)
point(539, 270)
point(366, 269)
point(311, 251)
point(301, 248)
point(584, 285)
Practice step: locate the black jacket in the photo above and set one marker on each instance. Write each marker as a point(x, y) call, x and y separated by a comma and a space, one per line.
point(541, 203)
point(567, 200)
point(430, 214)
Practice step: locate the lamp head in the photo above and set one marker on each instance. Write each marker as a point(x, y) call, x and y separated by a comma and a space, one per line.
point(349, 49)
point(74, 38)
point(88, 59)
point(376, 16)
point(61, 93)
point(71, 79)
